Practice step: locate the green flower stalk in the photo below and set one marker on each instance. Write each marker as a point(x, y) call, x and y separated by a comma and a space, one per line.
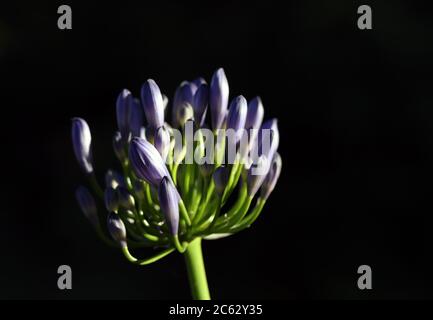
point(177, 178)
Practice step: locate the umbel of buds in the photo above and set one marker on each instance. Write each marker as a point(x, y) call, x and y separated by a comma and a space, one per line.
point(204, 173)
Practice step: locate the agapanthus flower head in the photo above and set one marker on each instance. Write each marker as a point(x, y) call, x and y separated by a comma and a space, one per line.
point(82, 143)
point(182, 179)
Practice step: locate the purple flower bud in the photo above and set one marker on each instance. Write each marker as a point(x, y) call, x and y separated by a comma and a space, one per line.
point(114, 179)
point(87, 204)
point(268, 148)
point(184, 95)
point(255, 114)
point(256, 174)
point(147, 162)
point(162, 142)
point(272, 177)
point(201, 102)
point(185, 112)
point(126, 200)
point(118, 146)
point(136, 118)
point(149, 134)
point(117, 229)
point(142, 133)
point(82, 143)
point(218, 98)
point(198, 82)
point(164, 101)
point(237, 115)
point(123, 111)
point(220, 178)
point(224, 122)
point(111, 200)
point(169, 202)
point(152, 103)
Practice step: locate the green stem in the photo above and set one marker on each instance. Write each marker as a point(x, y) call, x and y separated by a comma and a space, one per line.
point(144, 262)
point(196, 271)
point(205, 201)
point(184, 212)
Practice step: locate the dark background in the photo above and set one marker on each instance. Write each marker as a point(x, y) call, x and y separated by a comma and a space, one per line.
point(356, 123)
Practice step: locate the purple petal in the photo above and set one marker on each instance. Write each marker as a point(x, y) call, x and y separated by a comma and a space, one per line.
point(169, 202)
point(201, 102)
point(123, 110)
point(237, 115)
point(87, 204)
point(153, 104)
point(219, 97)
point(146, 161)
point(82, 143)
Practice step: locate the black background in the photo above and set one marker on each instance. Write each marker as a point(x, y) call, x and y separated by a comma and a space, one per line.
point(356, 123)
